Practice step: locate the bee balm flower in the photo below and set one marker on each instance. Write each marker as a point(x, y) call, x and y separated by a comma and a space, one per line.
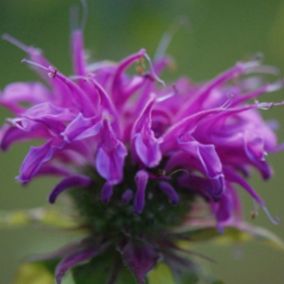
point(137, 152)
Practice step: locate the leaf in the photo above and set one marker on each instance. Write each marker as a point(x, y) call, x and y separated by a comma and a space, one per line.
point(100, 270)
point(44, 216)
point(239, 233)
point(189, 278)
point(38, 273)
point(161, 274)
point(140, 258)
point(33, 273)
point(249, 232)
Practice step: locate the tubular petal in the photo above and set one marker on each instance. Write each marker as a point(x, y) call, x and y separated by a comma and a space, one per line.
point(141, 180)
point(106, 192)
point(169, 191)
point(35, 159)
point(69, 183)
point(72, 260)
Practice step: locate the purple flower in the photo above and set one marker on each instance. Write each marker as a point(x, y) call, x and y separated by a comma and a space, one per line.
point(117, 132)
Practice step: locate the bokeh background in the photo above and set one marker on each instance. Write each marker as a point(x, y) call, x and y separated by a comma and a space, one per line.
point(218, 34)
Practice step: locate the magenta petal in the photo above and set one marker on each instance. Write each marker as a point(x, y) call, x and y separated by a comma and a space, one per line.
point(195, 183)
point(106, 193)
point(190, 122)
point(72, 260)
point(204, 94)
point(44, 115)
point(78, 96)
point(81, 128)
point(223, 210)
point(140, 259)
point(255, 150)
point(77, 181)
point(106, 104)
point(36, 157)
point(117, 85)
point(147, 149)
point(47, 110)
point(13, 134)
point(54, 170)
point(127, 196)
point(9, 135)
point(141, 180)
point(110, 163)
point(170, 192)
point(21, 92)
point(110, 156)
point(146, 145)
point(210, 163)
point(78, 53)
point(235, 178)
point(15, 95)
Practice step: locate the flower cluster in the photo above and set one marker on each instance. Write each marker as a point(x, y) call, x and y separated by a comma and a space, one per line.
point(123, 133)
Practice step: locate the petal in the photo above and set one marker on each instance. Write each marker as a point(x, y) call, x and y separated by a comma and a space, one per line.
point(117, 85)
point(127, 196)
point(76, 181)
point(235, 178)
point(190, 123)
point(141, 180)
point(78, 53)
point(195, 183)
point(145, 144)
point(147, 149)
point(71, 261)
point(44, 115)
point(106, 193)
point(34, 160)
point(21, 92)
point(50, 110)
point(13, 134)
point(209, 161)
point(170, 192)
point(110, 164)
point(254, 149)
point(223, 210)
point(272, 87)
point(106, 103)
point(110, 156)
point(81, 128)
point(207, 89)
point(78, 96)
point(54, 170)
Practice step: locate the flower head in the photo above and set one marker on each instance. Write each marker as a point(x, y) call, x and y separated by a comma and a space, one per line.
point(137, 143)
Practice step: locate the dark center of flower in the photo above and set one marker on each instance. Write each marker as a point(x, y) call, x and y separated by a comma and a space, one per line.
point(116, 215)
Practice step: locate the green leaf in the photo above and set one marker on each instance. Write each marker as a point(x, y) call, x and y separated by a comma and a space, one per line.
point(189, 278)
point(240, 233)
point(161, 274)
point(41, 272)
point(100, 269)
point(33, 273)
point(44, 216)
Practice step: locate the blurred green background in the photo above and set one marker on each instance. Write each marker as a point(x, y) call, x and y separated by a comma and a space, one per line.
point(219, 33)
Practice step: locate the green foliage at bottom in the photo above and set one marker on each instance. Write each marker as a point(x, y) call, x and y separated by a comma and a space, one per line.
point(103, 269)
point(33, 273)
